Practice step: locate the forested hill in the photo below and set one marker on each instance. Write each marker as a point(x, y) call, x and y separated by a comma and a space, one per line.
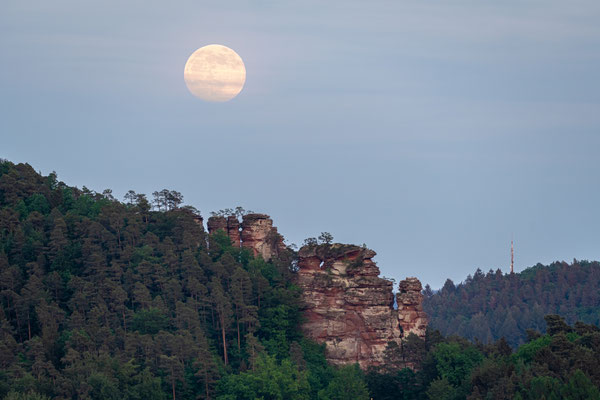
point(108, 300)
point(494, 305)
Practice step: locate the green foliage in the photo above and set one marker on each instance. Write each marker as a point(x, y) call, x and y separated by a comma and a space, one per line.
point(347, 383)
point(25, 396)
point(441, 389)
point(402, 384)
point(528, 351)
point(146, 386)
point(310, 356)
point(220, 242)
point(489, 306)
point(100, 299)
point(269, 380)
point(36, 202)
point(579, 387)
point(149, 321)
point(543, 387)
point(455, 363)
point(558, 366)
point(103, 388)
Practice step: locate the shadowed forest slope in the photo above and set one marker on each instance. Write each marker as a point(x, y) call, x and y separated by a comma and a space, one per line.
point(494, 305)
point(105, 299)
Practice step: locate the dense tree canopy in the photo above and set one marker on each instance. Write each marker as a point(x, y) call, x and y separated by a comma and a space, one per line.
point(562, 364)
point(103, 299)
point(490, 306)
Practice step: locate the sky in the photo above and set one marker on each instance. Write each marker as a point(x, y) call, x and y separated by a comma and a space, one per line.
point(432, 131)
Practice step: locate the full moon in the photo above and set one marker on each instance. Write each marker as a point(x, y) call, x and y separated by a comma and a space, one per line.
point(215, 73)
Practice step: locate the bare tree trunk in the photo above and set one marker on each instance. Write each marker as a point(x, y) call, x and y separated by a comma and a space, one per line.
point(224, 341)
point(28, 324)
point(18, 321)
point(237, 320)
point(238, 332)
point(206, 382)
point(173, 382)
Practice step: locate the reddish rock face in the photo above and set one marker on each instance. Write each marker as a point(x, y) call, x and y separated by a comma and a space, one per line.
point(410, 307)
point(260, 236)
point(257, 233)
point(233, 230)
point(215, 223)
point(348, 307)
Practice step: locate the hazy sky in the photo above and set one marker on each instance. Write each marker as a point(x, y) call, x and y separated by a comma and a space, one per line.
point(432, 131)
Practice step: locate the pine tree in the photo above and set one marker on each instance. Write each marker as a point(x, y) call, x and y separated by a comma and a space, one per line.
point(224, 312)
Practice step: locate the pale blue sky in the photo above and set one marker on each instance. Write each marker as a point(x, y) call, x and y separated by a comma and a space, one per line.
point(431, 131)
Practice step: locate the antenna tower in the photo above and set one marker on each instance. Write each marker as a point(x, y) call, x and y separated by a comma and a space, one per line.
point(512, 257)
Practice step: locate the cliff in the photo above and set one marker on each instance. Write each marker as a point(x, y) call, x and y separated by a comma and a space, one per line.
point(410, 307)
point(256, 233)
point(350, 308)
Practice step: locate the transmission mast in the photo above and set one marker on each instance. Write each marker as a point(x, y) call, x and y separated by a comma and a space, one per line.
point(512, 257)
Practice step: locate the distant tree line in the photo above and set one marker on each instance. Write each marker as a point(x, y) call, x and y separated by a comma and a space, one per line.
point(490, 306)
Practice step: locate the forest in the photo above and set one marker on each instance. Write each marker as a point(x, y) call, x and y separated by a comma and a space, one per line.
point(103, 299)
point(487, 307)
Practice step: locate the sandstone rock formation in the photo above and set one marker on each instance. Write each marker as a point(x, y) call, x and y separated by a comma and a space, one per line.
point(346, 304)
point(233, 230)
point(215, 223)
point(410, 307)
point(349, 308)
point(257, 233)
point(260, 236)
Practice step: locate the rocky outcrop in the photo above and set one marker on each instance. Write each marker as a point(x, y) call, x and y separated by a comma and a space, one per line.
point(348, 307)
point(410, 307)
point(233, 230)
point(216, 223)
point(260, 236)
point(257, 233)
